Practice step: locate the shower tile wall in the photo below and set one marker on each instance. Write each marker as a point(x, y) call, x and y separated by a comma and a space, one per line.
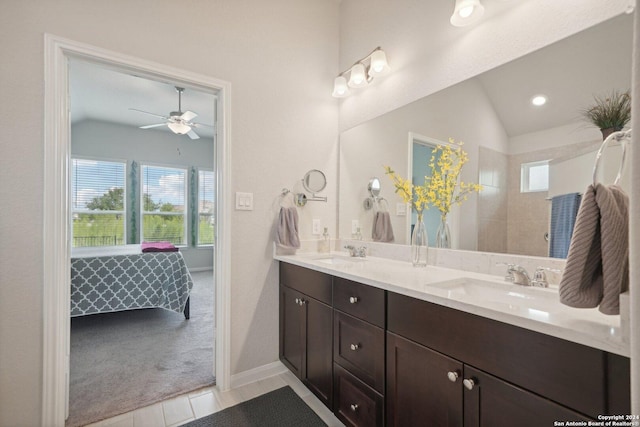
point(492, 201)
point(528, 212)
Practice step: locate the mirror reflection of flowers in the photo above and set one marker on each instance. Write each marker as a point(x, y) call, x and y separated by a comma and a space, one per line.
point(442, 188)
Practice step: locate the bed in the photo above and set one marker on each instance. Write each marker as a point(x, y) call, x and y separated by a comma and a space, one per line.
point(119, 278)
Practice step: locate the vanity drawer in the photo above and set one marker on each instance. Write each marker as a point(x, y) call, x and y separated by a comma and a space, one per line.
point(356, 404)
point(359, 347)
point(568, 373)
point(361, 301)
point(310, 282)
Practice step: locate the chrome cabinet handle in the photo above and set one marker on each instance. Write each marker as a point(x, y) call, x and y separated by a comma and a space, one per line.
point(453, 376)
point(353, 300)
point(302, 302)
point(355, 347)
point(354, 407)
point(468, 383)
point(298, 301)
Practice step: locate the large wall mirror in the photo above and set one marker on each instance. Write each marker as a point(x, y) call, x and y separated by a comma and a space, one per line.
point(504, 134)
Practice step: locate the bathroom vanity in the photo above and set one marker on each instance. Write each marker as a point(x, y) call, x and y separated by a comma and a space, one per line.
point(382, 343)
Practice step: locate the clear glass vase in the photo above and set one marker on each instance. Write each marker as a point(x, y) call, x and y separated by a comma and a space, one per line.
point(443, 235)
point(419, 243)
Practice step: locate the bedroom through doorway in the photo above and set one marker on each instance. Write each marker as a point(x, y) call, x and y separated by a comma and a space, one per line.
point(141, 169)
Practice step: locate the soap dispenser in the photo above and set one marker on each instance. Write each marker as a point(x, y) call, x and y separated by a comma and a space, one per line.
point(324, 245)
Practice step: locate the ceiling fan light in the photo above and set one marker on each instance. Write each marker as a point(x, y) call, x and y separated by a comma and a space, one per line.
point(466, 12)
point(179, 128)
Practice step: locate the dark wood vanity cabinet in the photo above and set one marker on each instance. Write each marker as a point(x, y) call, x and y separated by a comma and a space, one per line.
point(358, 353)
point(504, 375)
point(418, 388)
point(306, 328)
point(379, 358)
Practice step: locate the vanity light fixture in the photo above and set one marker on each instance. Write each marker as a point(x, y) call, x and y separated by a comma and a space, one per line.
point(539, 100)
point(466, 12)
point(361, 73)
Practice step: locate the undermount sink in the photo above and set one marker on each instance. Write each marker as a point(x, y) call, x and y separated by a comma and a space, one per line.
point(504, 294)
point(338, 259)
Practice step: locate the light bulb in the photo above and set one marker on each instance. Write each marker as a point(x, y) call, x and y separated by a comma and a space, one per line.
point(539, 100)
point(358, 77)
point(379, 65)
point(340, 88)
point(466, 12)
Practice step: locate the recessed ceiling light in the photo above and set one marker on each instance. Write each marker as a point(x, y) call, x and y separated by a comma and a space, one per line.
point(539, 100)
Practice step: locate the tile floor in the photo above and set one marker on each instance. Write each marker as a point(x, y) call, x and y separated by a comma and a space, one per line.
point(182, 409)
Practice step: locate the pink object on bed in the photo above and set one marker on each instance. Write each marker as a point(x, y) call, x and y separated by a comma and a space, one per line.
point(158, 247)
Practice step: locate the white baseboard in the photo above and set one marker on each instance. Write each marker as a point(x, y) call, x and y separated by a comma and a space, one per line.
point(255, 374)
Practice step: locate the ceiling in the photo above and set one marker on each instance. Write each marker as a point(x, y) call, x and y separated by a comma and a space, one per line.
point(569, 72)
point(100, 93)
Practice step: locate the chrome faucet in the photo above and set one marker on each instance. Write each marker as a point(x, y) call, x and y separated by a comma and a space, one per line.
point(516, 274)
point(360, 252)
point(540, 276)
point(520, 275)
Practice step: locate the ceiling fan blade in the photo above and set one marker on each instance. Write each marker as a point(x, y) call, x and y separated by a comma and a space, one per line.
point(200, 125)
point(153, 126)
point(151, 114)
point(187, 116)
point(193, 135)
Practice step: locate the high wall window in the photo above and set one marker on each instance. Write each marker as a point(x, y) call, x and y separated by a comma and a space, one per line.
point(98, 202)
point(534, 176)
point(163, 204)
point(206, 218)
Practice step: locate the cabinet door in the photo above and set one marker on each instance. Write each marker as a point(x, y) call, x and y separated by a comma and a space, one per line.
point(419, 391)
point(292, 331)
point(319, 339)
point(494, 403)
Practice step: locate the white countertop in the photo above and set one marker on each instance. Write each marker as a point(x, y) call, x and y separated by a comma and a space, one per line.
point(540, 310)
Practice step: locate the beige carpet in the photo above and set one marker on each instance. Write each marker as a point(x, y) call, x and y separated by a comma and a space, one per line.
point(127, 360)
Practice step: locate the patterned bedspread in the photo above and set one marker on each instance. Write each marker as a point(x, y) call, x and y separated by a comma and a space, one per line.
point(122, 282)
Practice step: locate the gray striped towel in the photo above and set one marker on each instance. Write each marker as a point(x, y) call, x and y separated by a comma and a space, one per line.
point(597, 269)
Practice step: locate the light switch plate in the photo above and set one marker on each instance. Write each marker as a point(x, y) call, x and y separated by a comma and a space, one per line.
point(244, 201)
point(401, 209)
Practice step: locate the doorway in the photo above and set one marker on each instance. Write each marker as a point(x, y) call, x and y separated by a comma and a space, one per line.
point(57, 241)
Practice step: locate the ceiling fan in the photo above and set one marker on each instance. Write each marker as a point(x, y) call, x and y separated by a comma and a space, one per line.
point(179, 122)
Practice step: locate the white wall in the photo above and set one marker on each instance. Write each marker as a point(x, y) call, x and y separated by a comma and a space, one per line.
point(427, 54)
point(102, 140)
point(280, 56)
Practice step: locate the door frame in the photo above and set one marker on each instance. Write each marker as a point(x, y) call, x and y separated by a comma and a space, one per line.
point(56, 239)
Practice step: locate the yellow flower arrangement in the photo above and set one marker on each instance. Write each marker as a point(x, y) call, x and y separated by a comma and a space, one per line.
point(442, 188)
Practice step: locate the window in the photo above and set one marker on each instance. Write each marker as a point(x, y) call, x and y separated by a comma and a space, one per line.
point(206, 219)
point(98, 202)
point(163, 204)
point(534, 176)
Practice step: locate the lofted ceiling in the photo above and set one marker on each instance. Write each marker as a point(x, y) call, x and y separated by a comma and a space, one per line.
point(569, 72)
point(100, 93)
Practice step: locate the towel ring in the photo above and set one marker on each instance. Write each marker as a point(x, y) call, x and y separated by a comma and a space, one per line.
point(617, 136)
